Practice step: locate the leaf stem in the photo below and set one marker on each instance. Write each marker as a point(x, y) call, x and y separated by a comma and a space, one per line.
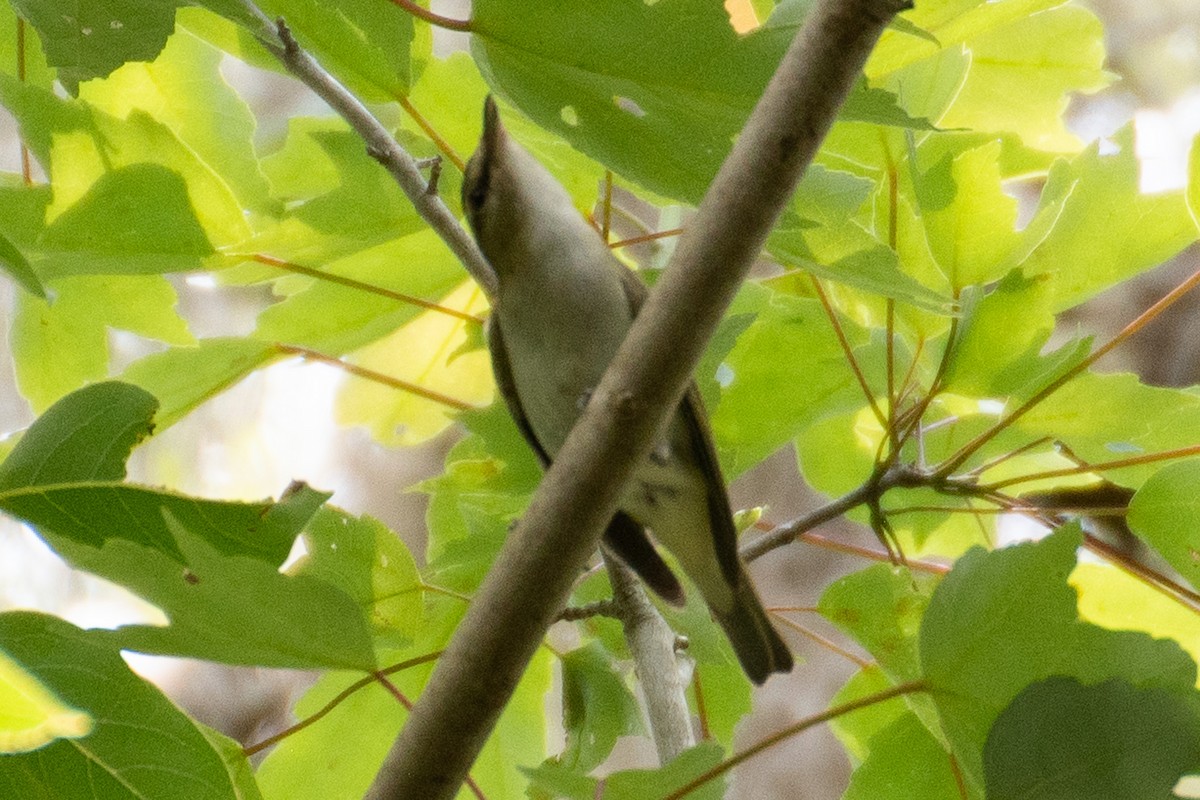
point(1155, 580)
point(850, 359)
point(823, 641)
point(437, 20)
point(351, 283)
point(440, 143)
point(378, 377)
point(26, 163)
point(1101, 466)
point(648, 237)
point(1169, 299)
point(250, 750)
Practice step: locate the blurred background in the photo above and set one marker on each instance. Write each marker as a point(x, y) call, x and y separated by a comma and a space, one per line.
point(277, 425)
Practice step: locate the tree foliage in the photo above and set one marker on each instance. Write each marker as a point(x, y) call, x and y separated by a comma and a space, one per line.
point(906, 349)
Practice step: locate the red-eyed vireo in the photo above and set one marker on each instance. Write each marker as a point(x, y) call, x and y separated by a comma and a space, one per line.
point(563, 306)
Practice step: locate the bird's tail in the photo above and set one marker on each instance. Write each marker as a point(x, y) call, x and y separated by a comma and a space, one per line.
point(756, 643)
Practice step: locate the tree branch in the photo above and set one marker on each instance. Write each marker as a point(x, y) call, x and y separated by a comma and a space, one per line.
point(533, 575)
point(384, 149)
point(652, 643)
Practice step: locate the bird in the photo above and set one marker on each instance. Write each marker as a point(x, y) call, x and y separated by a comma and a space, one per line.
point(562, 307)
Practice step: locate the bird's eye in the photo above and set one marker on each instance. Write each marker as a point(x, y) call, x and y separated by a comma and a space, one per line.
point(475, 185)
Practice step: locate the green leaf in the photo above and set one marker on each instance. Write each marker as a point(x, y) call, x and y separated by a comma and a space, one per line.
point(728, 696)
point(86, 436)
point(369, 562)
point(369, 46)
point(552, 780)
point(58, 348)
point(97, 36)
point(486, 483)
point(211, 566)
point(881, 607)
point(337, 319)
point(141, 745)
point(1094, 228)
point(184, 89)
point(78, 144)
point(1001, 335)
point(299, 767)
point(607, 78)
point(237, 765)
point(785, 371)
point(597, 708)
point(184, 377)
point(63, 478)
point(1022, 76)
point(1112, 598)
point(818, 233)
point(333, 188)
point(13, 261)
point(296, 768)
point(1059, 738)
point(31, 715)
point(1166, 513)
point(1001, 621)
point(427, 352)
point(37, 71)
point(638, 784)
point(231, 608)
point(89, 514)
point(1104, 417)
point(905, 761)
point(134, 219)
point(857, 731)
point(968, 218)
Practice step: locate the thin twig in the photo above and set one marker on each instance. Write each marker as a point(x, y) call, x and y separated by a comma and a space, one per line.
point(26, 162)
point(1080, 511)
point(652, 645)
point(1172, 589)
point(1155, 580)
point(1000, 459)
point(600, 608)
point(382, 147)
point(606, 224)
point(918, 413)
point(791, 530)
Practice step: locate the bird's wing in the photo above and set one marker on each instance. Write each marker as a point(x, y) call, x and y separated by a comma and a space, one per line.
point(508, 387)
point(691, 413)
point(624, 536)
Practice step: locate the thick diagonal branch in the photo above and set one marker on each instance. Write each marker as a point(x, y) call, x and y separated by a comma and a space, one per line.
point(532, 577)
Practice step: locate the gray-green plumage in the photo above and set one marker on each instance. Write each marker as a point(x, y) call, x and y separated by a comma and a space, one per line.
point(563, 307)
